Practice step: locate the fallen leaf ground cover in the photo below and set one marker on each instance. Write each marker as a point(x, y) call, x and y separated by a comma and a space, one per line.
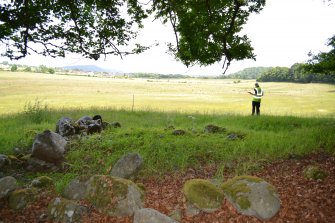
point(302, 200)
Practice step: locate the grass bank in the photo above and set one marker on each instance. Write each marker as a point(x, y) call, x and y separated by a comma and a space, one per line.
point(149, 133)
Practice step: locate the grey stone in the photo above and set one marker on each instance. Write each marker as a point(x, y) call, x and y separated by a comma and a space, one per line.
point(49, 147)
point(94, 127)
point(36, 165)
point(252, 196)
point(235, 136)
point(127, 166)
point(65, 127)
point(77, 189)
point(214, 129)
point(116, 125)
point(191, 210)
point(105, 125)
point(114, 196)
point(178, 132)
point(84, 121)
point(19, 199)
point(148, 215)
point(7, 184)
point(63, 210)
point(3, 160)
point(42, 182)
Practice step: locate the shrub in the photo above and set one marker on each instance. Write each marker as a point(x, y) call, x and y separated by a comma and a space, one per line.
point(37, 111)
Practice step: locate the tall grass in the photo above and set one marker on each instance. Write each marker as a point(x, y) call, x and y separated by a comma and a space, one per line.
point(150, 134)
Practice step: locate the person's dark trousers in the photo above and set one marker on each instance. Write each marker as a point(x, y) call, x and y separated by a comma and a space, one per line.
point(255, 106)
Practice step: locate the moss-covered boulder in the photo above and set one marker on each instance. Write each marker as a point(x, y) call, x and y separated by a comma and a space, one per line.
point(203, 195)
point(252, 196)
point(63, 210)
point(42, 182)
point(314, 173)
point(7, 184)
point(20, 198)
point(114, 196)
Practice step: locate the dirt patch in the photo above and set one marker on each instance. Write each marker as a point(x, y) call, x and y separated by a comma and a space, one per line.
point(302, 200)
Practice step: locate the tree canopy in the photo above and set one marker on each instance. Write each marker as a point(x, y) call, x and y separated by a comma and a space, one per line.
point(88, 27)
point(206, 31)
point(324, 62)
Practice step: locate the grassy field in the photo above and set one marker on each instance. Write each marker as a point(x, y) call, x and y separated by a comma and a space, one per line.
point(296, 119)
point(188, 95)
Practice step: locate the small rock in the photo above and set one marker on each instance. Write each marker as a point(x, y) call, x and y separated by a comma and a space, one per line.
point(105, 125)
point(314, 173)
point(127, 166)
point(7, 184)
point(42, 182)
point(49, 147)
point(3, 160)
point(214, 129)
point(191, 210)
point(178, 132)
point(116, 125)
point(65, 127)
point(42, 218)
point(36, 165)
point(77, 189)
point(235, 136)
point(63, 210)
point(19, 199)
point(148, 215)
point(84, 121)
point(95, 127)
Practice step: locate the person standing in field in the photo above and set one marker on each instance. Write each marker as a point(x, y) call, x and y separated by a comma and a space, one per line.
point(256, 99)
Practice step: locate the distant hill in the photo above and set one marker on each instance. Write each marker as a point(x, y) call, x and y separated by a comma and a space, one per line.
point(249, 73)
point(91, 68)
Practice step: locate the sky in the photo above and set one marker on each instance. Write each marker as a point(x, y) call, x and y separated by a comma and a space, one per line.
point(281, 34)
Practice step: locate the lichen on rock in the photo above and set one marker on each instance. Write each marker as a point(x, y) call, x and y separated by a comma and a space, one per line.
point(114, 196)
point(63, 210)
point(77, 189)
point(42, 182)
point(252, 196)
point(19, 199)
point(7, 184)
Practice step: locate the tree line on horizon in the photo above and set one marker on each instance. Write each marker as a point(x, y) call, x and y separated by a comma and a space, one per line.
point(298, 72)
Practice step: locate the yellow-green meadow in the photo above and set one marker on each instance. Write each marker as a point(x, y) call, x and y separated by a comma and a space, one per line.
point(181, 95)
